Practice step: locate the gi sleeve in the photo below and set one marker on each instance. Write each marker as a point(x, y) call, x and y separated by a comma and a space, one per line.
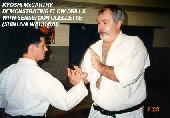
point(3, 83)
point(133, 62)
point(51, 90)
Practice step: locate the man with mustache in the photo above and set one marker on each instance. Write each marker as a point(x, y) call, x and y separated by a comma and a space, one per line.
point(26, 90)
point(115, 66)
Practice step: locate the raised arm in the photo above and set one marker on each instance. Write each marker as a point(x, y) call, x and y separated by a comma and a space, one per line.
point(104, 70)
point(51, 89)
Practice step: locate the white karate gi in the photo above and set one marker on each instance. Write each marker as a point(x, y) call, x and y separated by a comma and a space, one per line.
point(26, 89)
point(129, 58)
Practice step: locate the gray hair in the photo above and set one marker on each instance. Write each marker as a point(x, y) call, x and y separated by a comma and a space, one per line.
point(117, 13)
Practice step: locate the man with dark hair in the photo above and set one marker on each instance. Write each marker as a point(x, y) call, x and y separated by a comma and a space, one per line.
point(26, 90)
point(115, 66)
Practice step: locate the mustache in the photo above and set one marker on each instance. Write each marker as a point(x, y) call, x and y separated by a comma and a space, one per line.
point(101, 31)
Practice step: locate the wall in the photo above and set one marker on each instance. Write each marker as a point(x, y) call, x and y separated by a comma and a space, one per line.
point(161, 38)
point(60, 51)
point(161, 41)
point(150, 3)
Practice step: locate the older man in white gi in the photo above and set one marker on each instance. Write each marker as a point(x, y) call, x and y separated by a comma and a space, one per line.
point(115, 66)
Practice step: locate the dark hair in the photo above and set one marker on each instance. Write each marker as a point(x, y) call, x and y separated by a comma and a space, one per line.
point(31, 36)
point(117, 13)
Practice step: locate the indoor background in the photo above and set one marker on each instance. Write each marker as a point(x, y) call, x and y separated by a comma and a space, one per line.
point(148, 19)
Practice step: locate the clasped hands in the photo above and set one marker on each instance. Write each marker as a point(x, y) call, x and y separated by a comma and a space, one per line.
point(77, 75)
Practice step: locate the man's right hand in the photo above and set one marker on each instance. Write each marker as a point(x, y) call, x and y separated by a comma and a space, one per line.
point(95, 59)
point(75, 76)
point(78, 69)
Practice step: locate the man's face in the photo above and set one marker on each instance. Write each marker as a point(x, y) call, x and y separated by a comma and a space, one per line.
point(40, 50)
point(106, 26)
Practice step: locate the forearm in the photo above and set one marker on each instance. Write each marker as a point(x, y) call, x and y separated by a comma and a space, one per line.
point(74, 96)
point(58, 97)
point(107, 71)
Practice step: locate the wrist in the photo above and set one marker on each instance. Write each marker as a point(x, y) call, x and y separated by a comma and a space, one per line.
point(82, 81)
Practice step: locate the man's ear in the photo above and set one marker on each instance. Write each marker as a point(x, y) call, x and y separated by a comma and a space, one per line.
point(31, 48)
point(118, 25)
